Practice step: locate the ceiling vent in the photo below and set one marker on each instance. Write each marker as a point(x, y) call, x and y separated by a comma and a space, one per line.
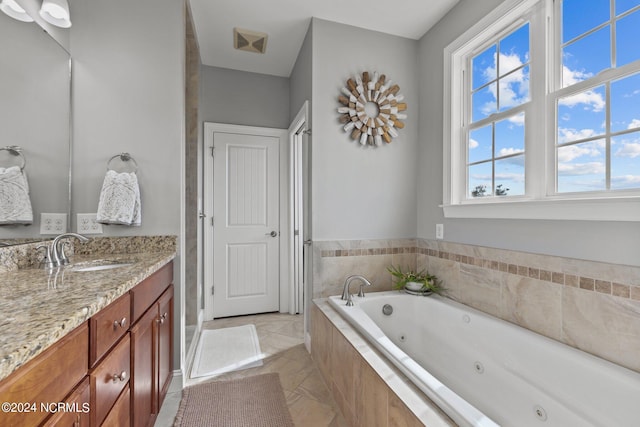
point(251, 41)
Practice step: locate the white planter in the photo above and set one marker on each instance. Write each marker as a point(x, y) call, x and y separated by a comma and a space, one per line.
point(413, 286)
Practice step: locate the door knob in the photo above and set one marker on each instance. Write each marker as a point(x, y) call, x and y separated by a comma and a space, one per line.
point(272, 234)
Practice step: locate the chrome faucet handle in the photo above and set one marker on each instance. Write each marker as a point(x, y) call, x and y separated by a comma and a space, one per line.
point(64, 259)
point(47, 262)
point(350, 301)
point(361, 290)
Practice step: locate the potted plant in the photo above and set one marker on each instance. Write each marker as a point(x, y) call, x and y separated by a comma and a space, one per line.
point(415, 281)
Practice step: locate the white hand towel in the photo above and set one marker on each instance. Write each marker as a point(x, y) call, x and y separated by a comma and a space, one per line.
point(15, 204)
point(120, 199)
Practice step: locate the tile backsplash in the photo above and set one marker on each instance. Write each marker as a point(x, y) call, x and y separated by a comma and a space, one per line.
point(589, 305)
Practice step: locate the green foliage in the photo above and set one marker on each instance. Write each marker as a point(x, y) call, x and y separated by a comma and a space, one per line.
point(479, 191)
point(430, 283)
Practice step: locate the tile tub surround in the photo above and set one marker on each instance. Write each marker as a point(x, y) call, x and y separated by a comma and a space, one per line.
point(40, 307)
point(589, 305)
point(368, 388)
point(334, 261)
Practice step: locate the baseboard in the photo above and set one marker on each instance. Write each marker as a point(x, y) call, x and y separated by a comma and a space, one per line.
point(307, 341)
point(191, 352)
point(176, 382)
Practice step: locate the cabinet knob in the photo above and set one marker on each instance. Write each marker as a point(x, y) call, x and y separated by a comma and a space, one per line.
point(162, 318)
point(120, 323)
point(122, 377)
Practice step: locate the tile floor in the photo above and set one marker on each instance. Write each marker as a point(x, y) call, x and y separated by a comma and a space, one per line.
point(282, 341)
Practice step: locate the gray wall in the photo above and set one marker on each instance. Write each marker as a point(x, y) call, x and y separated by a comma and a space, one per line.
point(128, 95)
point(616, 242)
point(243, 98)
point(361, 192)
point(301, 78)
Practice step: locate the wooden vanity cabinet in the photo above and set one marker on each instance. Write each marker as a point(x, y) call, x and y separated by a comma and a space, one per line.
point(48, 378)
point(151, 355)
point(113, 370)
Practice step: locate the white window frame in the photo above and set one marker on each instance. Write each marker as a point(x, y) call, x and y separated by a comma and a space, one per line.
point(540, 200)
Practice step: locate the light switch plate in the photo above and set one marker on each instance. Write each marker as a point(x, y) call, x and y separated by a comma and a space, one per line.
point(87, 224)
point(53, 223)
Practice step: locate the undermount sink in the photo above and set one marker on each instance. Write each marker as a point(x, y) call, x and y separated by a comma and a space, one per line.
point(100, 265)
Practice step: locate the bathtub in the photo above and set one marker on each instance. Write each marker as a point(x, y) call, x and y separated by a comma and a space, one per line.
point(482, 371)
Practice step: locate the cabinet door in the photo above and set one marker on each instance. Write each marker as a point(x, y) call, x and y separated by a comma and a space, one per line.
point(119, 415)
point(76, 410)
point(165, 343)
point(143, 383)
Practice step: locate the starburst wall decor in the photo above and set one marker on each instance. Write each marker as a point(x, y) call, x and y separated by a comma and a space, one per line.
point(371, 109)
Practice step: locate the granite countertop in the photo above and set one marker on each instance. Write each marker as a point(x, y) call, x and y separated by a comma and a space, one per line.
point(38, 307)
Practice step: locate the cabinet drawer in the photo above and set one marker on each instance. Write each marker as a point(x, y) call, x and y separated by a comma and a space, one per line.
point(149, 290)
point(76, 411)
point(49, 377)
point(119, 415)
point(108, 379)
point(107, 326)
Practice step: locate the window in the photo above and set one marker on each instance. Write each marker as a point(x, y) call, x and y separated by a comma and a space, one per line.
point(598, 127)
point(542, 112)
point(499, 92)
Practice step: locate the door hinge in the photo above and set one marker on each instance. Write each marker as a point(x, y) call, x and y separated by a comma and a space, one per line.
point(213, 288)
point(213, 151)
point(212, 221)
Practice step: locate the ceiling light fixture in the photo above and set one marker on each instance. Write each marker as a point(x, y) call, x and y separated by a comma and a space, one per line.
point(13, 9)
point(250, 41)
point(56, 12)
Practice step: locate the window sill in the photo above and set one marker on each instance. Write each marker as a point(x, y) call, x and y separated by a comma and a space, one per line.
point(608, 209)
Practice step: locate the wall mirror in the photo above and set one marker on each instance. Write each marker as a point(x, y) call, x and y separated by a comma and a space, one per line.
point(35, 111)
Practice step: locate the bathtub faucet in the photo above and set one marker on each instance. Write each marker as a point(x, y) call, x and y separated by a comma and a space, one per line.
point(346, 295)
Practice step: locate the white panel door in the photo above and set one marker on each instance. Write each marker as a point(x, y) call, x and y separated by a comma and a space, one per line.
point(246, 224)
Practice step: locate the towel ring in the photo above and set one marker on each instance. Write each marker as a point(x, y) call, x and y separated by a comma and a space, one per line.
point(125, 158)
point(16, 151)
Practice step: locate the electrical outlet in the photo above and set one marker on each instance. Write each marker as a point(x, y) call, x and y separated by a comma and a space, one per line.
point(87, 224)
point(53, 223)
point(439, 231)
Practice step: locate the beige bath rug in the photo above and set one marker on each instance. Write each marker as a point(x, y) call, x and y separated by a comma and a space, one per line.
point(256, 401)
point(226, 350)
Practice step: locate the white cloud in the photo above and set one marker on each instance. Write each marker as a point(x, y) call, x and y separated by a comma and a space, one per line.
point(570, 77)
point(592, 100)
point(625, 181)
point(629, 149)
point(567, 135)
point(513, 88)
point(571, 152)
point(510, 177)
point(517, 120)
point(473, 144)
point(575, 169)
point(635, 123)
point(508, 151)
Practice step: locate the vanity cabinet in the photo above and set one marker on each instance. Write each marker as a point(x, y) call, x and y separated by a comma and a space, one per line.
point(151, 353)
point(112, 370)
point(47, 378)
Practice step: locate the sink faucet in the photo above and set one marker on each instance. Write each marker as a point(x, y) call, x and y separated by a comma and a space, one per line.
point(345, 291)
point(58, 256)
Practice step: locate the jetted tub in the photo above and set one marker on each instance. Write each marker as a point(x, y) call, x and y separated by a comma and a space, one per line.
point(483, 371)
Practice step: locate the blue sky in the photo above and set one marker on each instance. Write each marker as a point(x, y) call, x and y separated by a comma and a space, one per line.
point(587, 50)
